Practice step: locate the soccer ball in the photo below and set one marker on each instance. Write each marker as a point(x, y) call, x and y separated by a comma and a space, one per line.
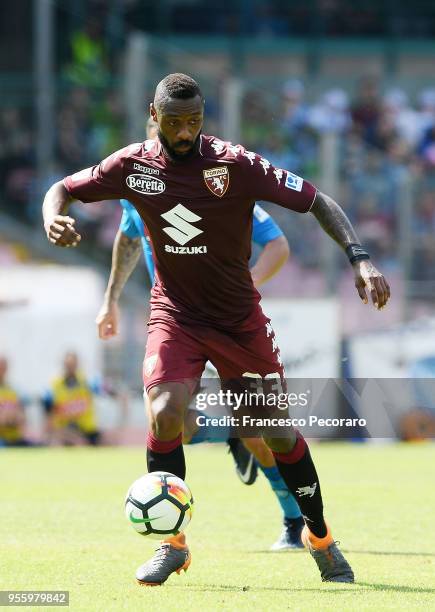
point(159, 505)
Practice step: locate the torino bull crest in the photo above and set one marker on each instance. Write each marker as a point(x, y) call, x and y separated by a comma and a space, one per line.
point(217, 180)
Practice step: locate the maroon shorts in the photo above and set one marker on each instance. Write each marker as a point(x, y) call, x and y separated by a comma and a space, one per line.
point(178, 353)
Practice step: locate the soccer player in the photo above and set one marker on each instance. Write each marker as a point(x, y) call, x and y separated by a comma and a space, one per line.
point(69, 406)
point(12, 416)
point(196, 195)
point(275, 250)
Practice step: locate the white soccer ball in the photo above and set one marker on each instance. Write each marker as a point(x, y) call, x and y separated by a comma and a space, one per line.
point(159, 505)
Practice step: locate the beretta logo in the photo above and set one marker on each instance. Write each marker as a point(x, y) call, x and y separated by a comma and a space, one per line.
point(142, 183)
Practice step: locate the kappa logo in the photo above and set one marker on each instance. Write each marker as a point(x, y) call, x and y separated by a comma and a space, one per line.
point(251, 156)
point(235, 149)
point(181, 219)
point(141, 183)
point(278, 174)
point(303, 491)
point(265, 164)
point(217, 180)
point(145, 169)
point(218, 146)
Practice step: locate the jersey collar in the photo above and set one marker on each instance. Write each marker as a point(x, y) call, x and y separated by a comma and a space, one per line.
point(153, 150)
point(157, 149)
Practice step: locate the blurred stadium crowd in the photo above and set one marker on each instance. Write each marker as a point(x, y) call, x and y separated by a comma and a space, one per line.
point(385, 141)
point(280, 17)
point(385, 135)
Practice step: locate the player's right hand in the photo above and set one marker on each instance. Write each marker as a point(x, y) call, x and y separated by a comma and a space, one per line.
point(107, 321)
point(60, 231)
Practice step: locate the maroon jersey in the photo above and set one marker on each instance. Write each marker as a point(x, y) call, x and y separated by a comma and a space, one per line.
point(198, 213)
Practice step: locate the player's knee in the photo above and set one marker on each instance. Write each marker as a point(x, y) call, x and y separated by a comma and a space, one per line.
point(281, 445)
point(166, 424)
point(166, 412)
point(166, 420)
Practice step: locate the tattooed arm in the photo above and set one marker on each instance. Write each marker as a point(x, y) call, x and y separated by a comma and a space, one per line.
point(335, 223)
point(333, 220)
point(125, 255)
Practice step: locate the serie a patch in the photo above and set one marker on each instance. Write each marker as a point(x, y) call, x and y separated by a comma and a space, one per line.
point(293, 181)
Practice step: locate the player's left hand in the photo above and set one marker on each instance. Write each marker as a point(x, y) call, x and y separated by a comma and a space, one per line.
point(368, 277)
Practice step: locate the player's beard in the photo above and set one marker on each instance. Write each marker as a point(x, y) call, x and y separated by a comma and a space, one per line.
point(172, 153)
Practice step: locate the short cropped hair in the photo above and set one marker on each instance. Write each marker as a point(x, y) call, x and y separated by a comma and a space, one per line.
point(176, 85)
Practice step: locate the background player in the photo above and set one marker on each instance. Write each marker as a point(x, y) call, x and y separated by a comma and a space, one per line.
point(209, 309)
point(70, 407)
point(12, 415)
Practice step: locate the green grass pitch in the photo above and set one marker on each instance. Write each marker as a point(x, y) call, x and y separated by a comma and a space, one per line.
point(62, 527)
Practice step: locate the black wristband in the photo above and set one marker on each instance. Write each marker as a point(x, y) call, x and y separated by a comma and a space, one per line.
point(356, 252)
